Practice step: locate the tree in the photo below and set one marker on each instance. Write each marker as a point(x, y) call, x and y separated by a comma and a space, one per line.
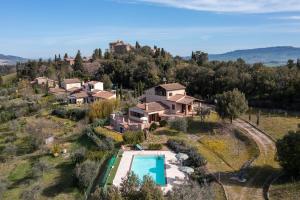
point(130, 186)
point(258, 118)
point(106, 82)
point(298, 64)
point(288, 153)
point(78, 66)
point(231, 104)
point(200, 57)
point(102, 109)
point(109, 193)
point(137, 45)
point(79, 155)
point(85, 172)
point(1, 81)
point(66, 56)
point(290, 63)
point(149, 191)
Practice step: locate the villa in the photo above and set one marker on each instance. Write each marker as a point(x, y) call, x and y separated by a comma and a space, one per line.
point(162, 102)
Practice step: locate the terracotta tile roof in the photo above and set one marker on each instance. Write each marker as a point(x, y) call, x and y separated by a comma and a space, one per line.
point(172, 86)
point(57, 90)
point(93, 82)
point(152, 106)
point(103, 95)
point(73, 89)
point(80, 95)
point(183, 99)
point(71, 80)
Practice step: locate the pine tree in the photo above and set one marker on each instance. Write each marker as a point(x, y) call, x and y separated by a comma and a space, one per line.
point(55, 58)
point(59, 58)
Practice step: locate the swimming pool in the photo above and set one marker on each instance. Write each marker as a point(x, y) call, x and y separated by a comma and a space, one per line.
point(151, 165)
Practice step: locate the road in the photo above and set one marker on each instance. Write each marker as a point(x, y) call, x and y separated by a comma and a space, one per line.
point(261, 171)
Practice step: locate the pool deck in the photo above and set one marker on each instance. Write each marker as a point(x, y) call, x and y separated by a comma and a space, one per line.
point(173, 174)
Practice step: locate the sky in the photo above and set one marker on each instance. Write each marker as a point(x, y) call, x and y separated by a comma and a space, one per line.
point(42, 28)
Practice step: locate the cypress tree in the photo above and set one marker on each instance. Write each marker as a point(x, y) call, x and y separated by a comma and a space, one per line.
point(78, 66)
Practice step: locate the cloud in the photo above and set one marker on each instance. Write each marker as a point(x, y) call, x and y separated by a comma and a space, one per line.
point(237, 6)
point(294, 17)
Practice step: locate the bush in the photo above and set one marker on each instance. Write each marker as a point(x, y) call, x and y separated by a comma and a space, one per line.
point(288, 153)
point(163, 123)
point(133, 137)
point(100, 122)
point(153, 127)
point(195, 159)
point(75, 114)
point(155, 146)
point(179, 124)
point(84, 173)
point(79, 155)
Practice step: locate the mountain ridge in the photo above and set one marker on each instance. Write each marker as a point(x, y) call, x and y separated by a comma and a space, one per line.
point(274, 56)
point(10, 59)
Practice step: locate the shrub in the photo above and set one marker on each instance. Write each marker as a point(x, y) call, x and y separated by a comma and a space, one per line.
point(288, 153)
point(75, 114)
point(179, 124)
point(85, 173)
point(100, 122)
point(153, 127)
point(155, 146)
point(133, 137)
point(163, 123)
point(79, 155)
point(195, 159)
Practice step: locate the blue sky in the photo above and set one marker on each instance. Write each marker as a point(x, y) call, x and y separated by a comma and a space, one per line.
point(42, 28)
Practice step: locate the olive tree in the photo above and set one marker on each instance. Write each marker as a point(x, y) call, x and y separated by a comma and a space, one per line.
point(231, 104)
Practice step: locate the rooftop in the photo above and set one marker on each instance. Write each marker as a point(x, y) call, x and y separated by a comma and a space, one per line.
point(183, 99)
point(103, 94)
point(71, 80)
point(152, 106)
point(172, 86)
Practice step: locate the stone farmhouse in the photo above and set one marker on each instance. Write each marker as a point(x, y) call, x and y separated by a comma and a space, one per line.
point(162, 102)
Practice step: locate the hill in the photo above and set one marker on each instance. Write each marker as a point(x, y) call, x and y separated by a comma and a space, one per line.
point(273, 56)
point(10, 60)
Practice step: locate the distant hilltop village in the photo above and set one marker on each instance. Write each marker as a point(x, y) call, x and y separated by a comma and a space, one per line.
point(117, 47)
point(120, 47)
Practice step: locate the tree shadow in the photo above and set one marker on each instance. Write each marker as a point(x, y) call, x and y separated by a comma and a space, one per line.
point(167, 132)
point(261, 174)
point(64, 183)
point(197, 126)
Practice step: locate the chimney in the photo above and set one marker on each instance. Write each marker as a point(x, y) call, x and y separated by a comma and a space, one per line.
point(146, 106)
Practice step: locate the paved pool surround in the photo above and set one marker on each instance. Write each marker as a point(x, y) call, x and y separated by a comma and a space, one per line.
point(171, 171)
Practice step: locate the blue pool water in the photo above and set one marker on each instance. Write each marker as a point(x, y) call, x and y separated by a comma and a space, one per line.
point(153, 166)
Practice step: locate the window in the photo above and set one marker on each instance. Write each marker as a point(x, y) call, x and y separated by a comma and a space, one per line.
point(170, 94)
point(173, 106)
point(135, 114)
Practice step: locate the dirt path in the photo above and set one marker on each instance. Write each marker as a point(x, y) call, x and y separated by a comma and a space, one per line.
point(261, 170)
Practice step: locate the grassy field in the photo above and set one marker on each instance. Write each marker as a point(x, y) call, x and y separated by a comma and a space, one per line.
point(285, 189)
point(9, 78)
point(57, 181)
point(113, 171)
point(276, 125)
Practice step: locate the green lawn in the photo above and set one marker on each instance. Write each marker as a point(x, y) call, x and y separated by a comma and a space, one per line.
point(276, 125)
